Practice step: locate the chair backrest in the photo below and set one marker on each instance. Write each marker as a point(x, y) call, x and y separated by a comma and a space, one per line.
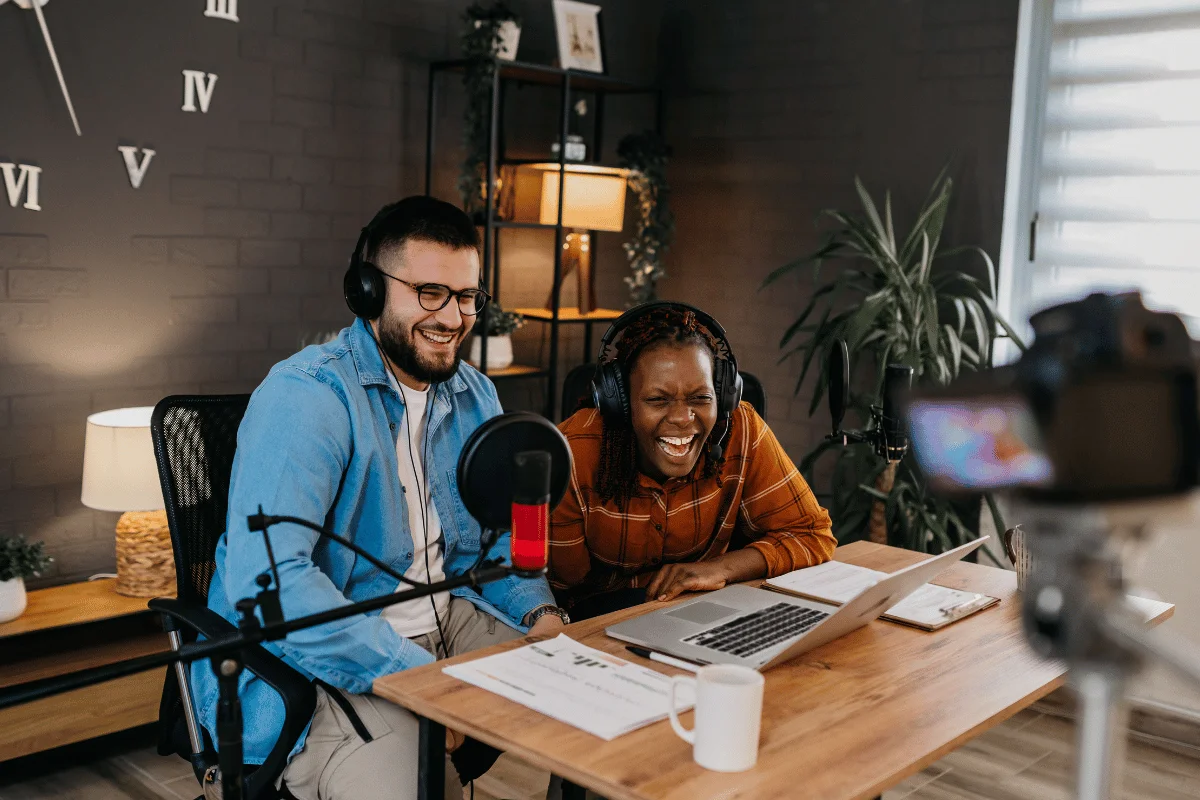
point(577, 391)
point(195, 438)
point(754, 393)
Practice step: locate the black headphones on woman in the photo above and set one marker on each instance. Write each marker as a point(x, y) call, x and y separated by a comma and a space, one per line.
point(610, 384)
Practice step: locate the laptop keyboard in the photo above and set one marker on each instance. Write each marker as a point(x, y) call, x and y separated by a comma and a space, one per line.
point(748, 634)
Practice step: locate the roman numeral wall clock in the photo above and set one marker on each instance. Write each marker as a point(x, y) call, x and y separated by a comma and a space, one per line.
point(24, 187)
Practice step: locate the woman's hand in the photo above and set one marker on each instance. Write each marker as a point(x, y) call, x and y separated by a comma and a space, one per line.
point(701, 576)
point(675, 579)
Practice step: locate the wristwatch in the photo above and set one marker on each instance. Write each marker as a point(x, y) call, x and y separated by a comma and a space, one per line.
point(533, 616)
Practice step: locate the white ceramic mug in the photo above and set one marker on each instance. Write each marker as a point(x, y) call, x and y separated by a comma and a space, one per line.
point(728, 716)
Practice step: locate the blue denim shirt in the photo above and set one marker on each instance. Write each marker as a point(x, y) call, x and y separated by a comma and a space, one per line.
point(319, 442)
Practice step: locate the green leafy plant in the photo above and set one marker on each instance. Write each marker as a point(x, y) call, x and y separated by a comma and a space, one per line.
point(890, 304)
point(498, 322)
point(21, 559)
point(480, 43)
point(645, 155)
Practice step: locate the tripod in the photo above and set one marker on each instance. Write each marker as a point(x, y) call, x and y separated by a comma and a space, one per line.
point(1075, 609)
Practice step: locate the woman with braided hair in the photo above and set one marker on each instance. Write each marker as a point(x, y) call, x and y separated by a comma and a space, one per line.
point(668, 494)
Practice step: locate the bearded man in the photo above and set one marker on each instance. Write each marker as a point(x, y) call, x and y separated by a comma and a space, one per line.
point(363, 434)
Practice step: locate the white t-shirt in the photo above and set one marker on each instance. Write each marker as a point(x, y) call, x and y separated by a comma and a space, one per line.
point(415, 617)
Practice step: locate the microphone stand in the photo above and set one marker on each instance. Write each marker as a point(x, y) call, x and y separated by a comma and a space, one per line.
point(225, 652)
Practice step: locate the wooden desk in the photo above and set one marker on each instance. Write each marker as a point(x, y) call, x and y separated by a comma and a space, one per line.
point(69, 628)
point(847, 720)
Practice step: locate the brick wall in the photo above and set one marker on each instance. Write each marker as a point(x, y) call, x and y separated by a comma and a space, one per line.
point(774, 106)
point(232, 250)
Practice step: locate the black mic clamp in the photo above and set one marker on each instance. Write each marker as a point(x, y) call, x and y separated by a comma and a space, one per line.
point(886, 434)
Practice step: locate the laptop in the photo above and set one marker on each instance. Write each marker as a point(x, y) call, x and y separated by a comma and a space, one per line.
point(759, 628)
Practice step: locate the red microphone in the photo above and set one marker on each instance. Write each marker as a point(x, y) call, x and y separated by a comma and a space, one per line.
point(531, 512)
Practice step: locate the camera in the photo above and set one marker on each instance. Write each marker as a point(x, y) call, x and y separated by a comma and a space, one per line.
point(1101, 407)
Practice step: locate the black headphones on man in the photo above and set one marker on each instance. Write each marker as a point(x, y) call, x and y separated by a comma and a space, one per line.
point(610, 384)
point(364, 284)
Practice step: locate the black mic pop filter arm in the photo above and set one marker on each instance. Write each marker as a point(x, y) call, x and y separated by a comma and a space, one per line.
point(887, 433)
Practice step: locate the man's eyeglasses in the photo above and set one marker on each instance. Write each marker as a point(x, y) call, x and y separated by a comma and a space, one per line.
point(436, 296)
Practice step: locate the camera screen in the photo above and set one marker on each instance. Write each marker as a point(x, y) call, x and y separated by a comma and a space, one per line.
point(978, 443)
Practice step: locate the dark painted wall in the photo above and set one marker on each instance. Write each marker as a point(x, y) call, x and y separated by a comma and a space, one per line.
point(775, 105)
point(232, 250)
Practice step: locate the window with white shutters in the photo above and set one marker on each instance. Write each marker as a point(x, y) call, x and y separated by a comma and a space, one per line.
point(1111, 194)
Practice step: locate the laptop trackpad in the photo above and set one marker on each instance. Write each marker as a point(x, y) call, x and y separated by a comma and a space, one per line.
point(702, 612)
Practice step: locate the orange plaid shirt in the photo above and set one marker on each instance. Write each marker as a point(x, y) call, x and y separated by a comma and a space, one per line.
point(758, 499)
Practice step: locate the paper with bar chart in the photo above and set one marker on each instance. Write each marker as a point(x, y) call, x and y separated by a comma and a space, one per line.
point(579, 685)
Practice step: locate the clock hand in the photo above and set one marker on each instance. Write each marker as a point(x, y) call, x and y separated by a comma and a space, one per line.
point(37, 9)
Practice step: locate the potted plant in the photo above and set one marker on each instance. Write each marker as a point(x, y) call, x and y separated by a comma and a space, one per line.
point(645, 155)
point(18, 560)
point(490, 32)
point(498, 325)
point(890, 305)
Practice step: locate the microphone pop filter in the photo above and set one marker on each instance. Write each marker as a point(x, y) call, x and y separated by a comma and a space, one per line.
point(487, 468)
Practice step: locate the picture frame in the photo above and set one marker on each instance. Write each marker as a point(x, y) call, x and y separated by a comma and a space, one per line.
point(577, 29)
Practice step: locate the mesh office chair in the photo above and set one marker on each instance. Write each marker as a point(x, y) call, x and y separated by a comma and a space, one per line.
point(194, 443)
point(577, 391)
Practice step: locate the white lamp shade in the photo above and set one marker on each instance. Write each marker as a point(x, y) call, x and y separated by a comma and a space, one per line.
point(119, 472)
point(594, 198)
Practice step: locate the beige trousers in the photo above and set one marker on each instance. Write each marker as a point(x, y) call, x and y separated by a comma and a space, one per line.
point(338, 764)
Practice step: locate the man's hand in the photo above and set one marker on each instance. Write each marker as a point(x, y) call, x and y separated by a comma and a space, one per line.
point(548, 624)
point(454, 740)
point(675, 579)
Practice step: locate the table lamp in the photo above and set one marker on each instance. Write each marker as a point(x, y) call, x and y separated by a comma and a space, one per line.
point(593, 200)
point(120, 474)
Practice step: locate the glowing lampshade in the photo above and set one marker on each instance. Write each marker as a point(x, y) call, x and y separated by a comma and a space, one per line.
point(119, 473)
point(594, 197)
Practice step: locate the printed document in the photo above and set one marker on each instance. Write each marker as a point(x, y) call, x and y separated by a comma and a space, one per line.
point(579, 685)
point(929, 607)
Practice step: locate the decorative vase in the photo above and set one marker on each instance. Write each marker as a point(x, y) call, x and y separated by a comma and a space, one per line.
point(576, 148)
point(510, 36)
point(499, 351)
point(12, 599)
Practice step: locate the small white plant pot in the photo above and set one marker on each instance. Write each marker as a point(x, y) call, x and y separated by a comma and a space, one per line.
point(499, 355)
point(12, 599)
point(510, 37)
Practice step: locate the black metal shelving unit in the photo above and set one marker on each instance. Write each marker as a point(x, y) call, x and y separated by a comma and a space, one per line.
point(568, 82)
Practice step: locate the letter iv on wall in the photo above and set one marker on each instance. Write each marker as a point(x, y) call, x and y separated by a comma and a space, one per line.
point(198, 85)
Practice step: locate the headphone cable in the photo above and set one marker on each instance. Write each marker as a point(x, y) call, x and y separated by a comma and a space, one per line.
point(437, 620)
point(421, 493)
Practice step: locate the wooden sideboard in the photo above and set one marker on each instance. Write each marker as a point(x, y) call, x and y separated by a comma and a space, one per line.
point(68, 628)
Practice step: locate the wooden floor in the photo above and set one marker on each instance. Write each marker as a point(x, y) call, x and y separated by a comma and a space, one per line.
point(1030, 756)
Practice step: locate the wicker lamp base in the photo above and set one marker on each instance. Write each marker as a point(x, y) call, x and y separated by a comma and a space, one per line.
point(145, 563)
